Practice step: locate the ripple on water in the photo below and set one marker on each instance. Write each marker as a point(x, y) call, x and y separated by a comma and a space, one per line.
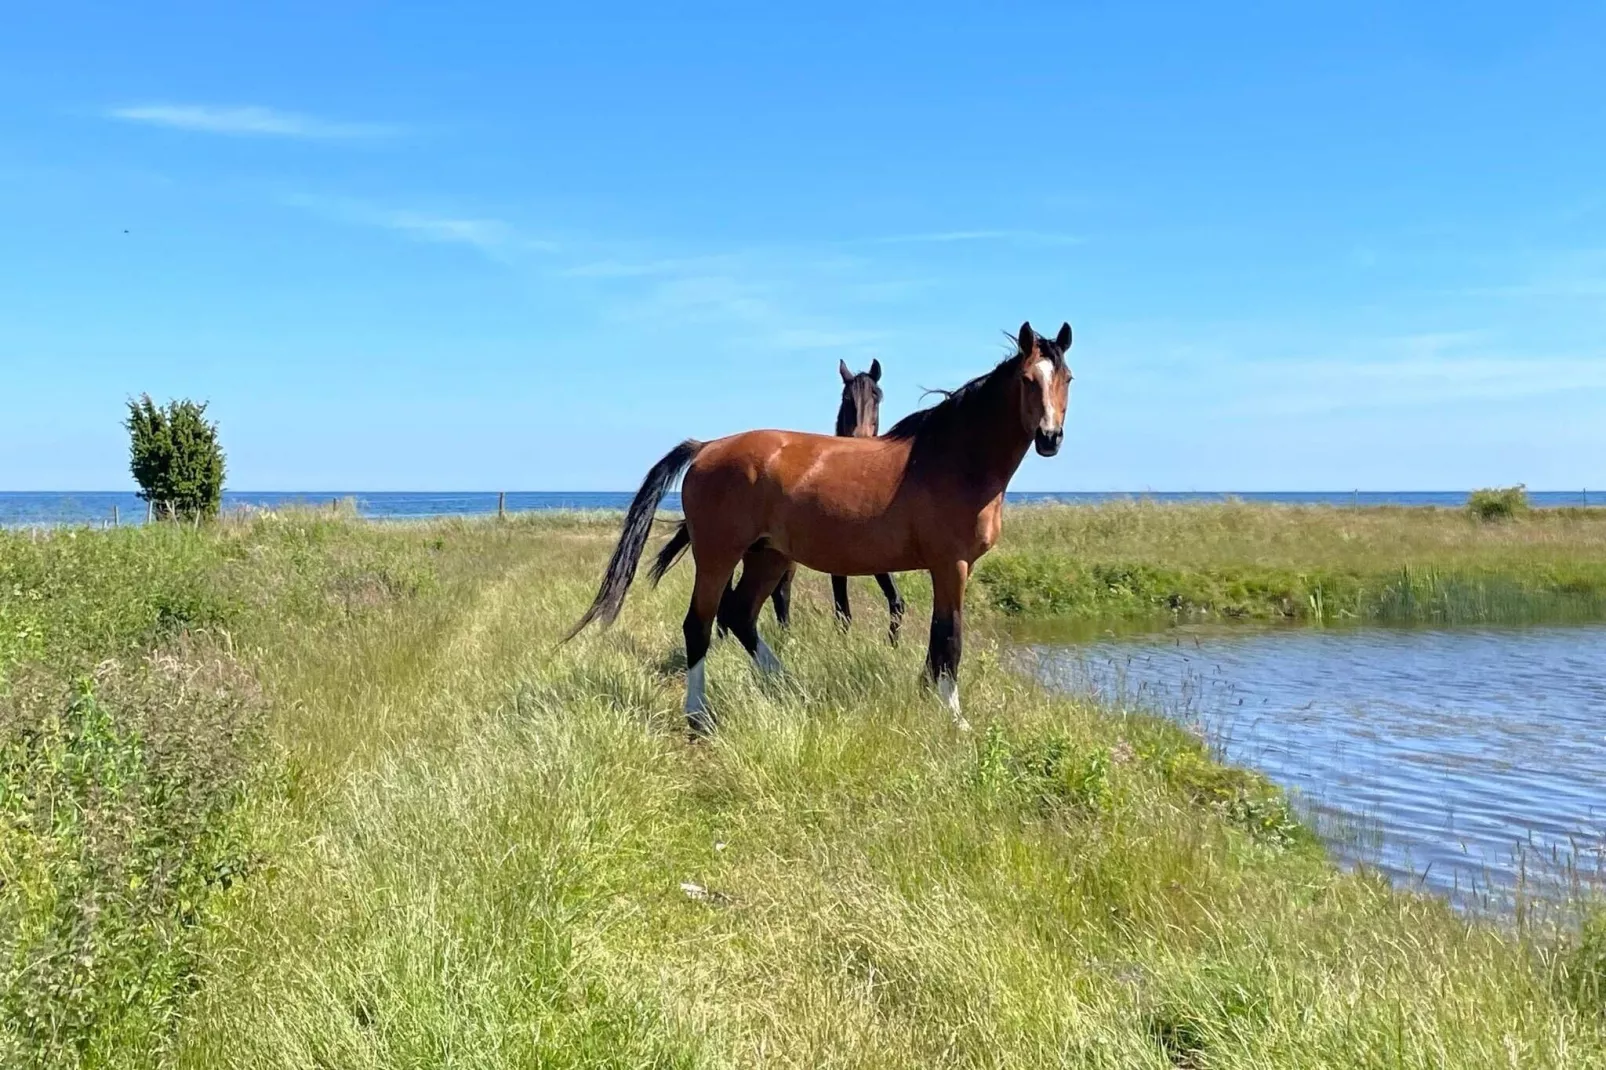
point(1469, 759)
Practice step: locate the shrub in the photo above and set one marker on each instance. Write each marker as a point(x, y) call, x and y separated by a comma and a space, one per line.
point(175, 457)
point(115, 793)
point(1498, 503)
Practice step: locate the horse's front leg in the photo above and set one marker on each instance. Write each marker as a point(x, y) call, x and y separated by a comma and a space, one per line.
point(894, 605)
point(947, 634)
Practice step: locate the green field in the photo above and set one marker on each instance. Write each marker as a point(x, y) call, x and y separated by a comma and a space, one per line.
point(309, 792)
point(1307, 563)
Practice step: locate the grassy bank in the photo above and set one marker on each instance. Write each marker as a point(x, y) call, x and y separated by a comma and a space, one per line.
point(427, 835)
point(1298, 563)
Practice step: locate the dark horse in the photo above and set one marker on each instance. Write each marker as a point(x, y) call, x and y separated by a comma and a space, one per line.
point(859, 416)
point(929, 494)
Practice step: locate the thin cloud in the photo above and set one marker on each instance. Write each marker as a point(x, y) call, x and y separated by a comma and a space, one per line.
point(1576, 274)
point(480, 233)
point(948, 237)
point(249, 121)
point(1577, 287)
point(638, 269)
point(494, 238)
point(810, 338)
point(1422, 382)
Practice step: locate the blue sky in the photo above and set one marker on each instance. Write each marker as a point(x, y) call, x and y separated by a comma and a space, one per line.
point(407, 247)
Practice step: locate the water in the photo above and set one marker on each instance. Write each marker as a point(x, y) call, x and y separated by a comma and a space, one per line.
point(20, 508)
point(95, 507)
point(1468, 761)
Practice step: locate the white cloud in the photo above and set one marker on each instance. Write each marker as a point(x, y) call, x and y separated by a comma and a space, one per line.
point(807, 338)
point(1421, 381)
point(1577, 273)
point(948, 237)
point(493, 237)
point(612, 268)
point(480, 233)
point(248, 121)
point(1424, 372)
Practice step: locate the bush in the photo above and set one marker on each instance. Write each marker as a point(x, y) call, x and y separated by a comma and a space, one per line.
point(114, 800)
point(1502, 503)
point(175, 457)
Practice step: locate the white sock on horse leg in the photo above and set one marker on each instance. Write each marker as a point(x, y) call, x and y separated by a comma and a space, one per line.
point(948, 691)
point(766, 659)
point(696, 702)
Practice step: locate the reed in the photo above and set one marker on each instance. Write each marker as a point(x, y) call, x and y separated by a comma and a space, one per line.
point(1320, 564)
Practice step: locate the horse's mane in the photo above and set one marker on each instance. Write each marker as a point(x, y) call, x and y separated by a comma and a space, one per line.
point(948, 408)
point(955, 402)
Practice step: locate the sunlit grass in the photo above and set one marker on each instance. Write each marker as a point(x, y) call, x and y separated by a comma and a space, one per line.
point(1316, 563)
point(479, 848)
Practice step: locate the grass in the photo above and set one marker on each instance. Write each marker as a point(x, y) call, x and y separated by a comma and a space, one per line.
point(459, 844)
point(1232, 561)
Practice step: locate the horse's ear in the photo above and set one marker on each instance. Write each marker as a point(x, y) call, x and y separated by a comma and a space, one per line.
point(847, 376)
point(875, 371)
point(1027, 339)
point(1063, 339)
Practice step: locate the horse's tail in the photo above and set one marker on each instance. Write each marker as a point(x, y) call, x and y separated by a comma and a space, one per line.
point(633, 537)
point(677, 544)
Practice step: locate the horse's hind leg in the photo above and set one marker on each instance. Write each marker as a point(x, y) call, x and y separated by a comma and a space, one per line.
point(894, 605)
point(707, 589)
point(839, 598)
point(782, 598)
point(762, 568)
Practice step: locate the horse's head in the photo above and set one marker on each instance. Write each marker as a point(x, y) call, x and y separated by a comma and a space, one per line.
point(860, 414)
point(1045, 383)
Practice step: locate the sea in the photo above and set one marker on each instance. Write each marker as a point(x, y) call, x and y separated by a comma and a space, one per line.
point(99, 508)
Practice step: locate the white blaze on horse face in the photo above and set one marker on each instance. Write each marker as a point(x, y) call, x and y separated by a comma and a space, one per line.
point(695, 701)
point(1043, 375)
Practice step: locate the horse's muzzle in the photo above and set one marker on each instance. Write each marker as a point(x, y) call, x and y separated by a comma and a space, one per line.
point(1049, 444)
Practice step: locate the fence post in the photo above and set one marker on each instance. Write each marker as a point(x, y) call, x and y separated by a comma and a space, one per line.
point(150, 510)
point(116, 522)
point(501, 505)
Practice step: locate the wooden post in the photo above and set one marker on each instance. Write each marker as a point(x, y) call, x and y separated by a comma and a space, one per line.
point(116, 521)
point(150, 511)
point(501, 505)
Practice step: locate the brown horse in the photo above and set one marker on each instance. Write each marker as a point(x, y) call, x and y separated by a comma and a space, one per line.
point(928, 494)
point(859, 416)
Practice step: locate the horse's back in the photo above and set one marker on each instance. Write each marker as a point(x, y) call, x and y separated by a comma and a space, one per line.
point(823, 499)
point(790, 463)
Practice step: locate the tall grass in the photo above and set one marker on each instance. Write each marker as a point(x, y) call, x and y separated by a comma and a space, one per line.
point(1298, 563)
point(475, 847)
point(132, 725)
